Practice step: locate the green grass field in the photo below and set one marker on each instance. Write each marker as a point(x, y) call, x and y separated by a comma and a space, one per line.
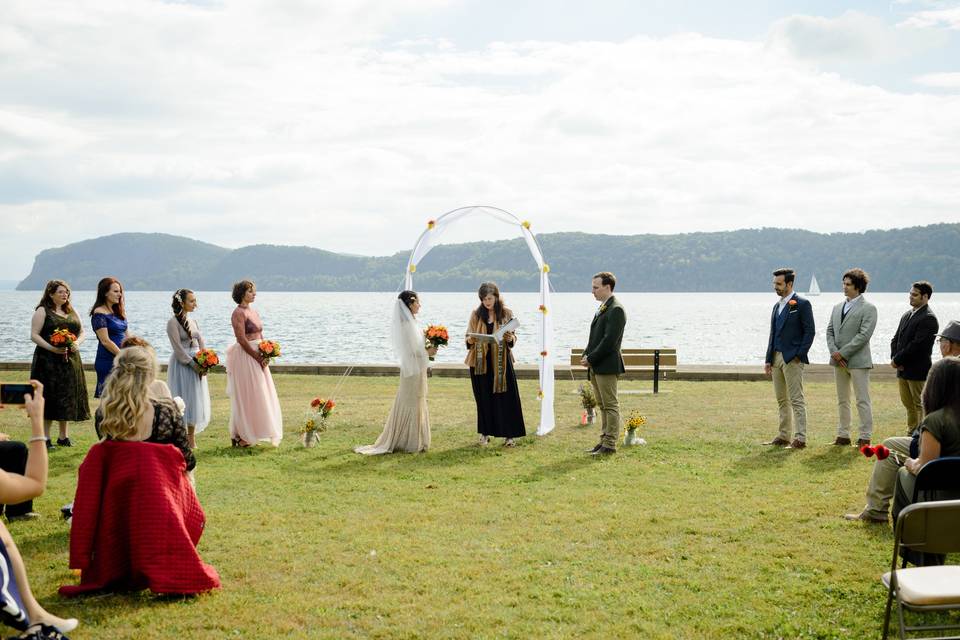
point(701, 534)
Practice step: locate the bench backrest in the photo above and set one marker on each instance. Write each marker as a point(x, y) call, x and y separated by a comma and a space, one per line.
point(637, 357)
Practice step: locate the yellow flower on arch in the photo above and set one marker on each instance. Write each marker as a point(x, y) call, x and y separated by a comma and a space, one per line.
point(526, 224)
point(546, 268)
point(413, 268)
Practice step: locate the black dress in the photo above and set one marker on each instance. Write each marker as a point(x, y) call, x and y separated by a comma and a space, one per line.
point(64, 386)
point(499, 415)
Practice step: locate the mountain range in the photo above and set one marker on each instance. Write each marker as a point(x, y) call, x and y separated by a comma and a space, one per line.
point(739, 260)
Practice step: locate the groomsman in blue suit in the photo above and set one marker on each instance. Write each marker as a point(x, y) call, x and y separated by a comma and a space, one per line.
point(791, 335)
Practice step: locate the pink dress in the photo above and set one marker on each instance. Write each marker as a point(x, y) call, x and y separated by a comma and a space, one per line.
point(254, 407)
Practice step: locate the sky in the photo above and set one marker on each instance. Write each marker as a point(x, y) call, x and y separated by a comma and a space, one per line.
point(347, 124)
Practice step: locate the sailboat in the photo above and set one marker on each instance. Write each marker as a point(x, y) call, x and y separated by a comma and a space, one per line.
point(814, 287)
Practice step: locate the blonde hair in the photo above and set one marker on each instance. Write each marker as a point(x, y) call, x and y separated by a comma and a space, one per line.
point(126, 394)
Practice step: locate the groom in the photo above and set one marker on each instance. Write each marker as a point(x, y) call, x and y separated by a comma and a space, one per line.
point(603, 360)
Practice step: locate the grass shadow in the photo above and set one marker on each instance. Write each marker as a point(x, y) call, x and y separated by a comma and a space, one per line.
point(561, 467)
point(831, 459)
point(767, 458)
point(358, 463)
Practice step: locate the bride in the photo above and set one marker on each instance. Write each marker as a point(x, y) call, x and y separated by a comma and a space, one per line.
point(408, 425)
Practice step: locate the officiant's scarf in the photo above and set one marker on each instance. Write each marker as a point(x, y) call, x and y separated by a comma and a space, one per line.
point(478, 354)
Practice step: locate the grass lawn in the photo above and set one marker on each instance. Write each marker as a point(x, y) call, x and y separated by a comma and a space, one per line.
point(700, 534)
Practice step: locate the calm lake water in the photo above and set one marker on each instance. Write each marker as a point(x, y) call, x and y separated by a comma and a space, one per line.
point(328, 327)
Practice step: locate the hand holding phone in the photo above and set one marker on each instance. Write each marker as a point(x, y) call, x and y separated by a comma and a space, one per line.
point(14, 392)
point(29, 394)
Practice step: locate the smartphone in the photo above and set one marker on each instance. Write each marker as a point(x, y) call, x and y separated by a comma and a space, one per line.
point(13, 392)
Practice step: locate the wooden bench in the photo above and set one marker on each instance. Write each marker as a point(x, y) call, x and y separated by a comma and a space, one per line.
point(659, 362)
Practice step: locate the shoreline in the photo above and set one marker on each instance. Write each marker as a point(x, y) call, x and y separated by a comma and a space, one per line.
point(687, 373)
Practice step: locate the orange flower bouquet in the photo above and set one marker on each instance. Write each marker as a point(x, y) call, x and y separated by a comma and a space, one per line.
point(206, 359)
point(315, 420)
point(436, 336)
point(269, 349)
point(63, 339)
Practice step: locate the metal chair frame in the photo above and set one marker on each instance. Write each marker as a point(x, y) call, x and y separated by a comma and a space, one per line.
point(929, 527)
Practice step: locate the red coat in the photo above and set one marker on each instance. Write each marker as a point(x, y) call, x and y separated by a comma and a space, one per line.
point(137, 522)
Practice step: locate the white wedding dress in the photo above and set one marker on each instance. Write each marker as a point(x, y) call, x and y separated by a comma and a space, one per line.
point(408, 425)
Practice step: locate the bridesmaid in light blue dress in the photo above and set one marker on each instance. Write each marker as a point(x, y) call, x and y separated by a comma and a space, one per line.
point(184, 376)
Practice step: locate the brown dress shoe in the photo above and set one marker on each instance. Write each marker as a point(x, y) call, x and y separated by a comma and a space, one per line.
point(862, 442)
point(776, 442)
point(864, 517)
point(796, 444)
point(842, 442)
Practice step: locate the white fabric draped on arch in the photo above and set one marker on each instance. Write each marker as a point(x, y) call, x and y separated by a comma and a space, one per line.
point(431, 237)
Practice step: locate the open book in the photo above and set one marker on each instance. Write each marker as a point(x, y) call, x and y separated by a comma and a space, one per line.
point(496, 336)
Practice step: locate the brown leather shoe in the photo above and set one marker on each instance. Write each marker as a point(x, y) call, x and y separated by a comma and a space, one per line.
point(796, 444)
point(842, 442)
point(862, 442)
point(776, 442)
point(863, 517)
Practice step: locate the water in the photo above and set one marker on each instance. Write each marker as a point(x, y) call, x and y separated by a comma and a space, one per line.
point(331, 327)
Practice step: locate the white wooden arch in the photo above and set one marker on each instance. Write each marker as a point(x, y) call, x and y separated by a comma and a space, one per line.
point(431, 238)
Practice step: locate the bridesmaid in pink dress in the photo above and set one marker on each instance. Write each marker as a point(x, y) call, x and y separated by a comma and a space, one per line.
point(254, 407)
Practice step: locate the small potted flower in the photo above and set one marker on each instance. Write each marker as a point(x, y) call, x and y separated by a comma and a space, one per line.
point(634, 421)
point(315, 420)
point(589, 403)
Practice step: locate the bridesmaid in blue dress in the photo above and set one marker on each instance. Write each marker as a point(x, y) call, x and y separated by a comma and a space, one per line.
point(110, 324)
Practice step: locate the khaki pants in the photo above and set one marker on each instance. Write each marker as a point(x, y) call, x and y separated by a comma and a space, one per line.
point(859, 379)
point(605, 389)
point(884, 478)
point(788, 387)
point(910, 391)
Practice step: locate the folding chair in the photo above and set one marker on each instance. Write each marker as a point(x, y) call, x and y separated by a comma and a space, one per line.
point(925, 527)
point(940, 474)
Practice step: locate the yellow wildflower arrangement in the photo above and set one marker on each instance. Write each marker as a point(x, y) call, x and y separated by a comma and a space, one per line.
point(635, 420)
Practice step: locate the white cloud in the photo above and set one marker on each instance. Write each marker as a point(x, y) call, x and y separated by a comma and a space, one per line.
point(940, 80)
point(948, 18)
point(238, 124)
point(850, 37)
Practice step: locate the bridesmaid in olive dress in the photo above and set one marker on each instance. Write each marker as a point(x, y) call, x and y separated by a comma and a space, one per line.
point(59, 368)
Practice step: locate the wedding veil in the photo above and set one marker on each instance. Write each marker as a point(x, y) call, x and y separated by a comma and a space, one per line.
point(408, 343)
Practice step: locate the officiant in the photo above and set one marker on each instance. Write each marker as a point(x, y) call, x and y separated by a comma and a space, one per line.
point(499, 414)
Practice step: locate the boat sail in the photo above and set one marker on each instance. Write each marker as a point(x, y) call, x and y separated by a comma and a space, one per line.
point(814, 287)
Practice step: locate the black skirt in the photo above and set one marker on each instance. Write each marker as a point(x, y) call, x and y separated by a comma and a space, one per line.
point(498, 414)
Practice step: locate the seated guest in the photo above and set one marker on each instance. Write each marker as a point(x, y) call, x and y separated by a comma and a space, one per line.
point(13, 459)
point(136, 519)
point(158, 388)
point(939, 430)
point(883, 481)
point(133, 410)
point(18, 607)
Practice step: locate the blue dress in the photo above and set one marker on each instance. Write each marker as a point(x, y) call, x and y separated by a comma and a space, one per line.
point(117, 331)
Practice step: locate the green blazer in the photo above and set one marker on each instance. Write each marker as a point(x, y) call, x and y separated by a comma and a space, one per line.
point(606, 334)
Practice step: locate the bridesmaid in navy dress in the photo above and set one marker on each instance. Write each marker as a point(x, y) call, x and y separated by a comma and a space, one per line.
point(110, 324)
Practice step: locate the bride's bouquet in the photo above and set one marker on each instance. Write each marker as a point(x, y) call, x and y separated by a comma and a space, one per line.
point(436, 336)
point(269, 349)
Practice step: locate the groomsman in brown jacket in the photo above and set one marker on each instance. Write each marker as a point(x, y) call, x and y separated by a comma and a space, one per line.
point(910, 350)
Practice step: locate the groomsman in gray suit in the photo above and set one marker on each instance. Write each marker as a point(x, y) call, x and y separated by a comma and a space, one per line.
point(848, 339)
